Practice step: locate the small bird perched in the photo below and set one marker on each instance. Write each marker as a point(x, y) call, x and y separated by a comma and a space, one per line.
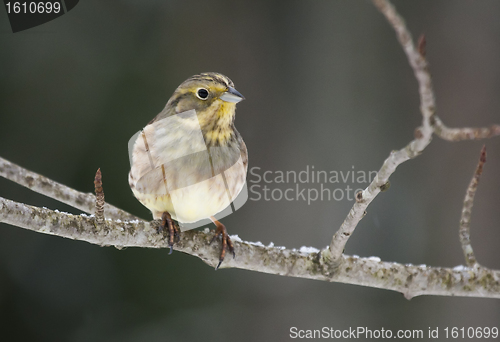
point(189, 163)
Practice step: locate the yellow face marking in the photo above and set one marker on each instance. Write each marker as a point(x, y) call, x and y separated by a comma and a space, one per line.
point(217, 120)
point(217, 116)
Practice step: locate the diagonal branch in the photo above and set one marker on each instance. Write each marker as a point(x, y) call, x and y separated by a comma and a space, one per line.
point(464, 235)
point(423, 135)
point(45, 186)
point(410, 280)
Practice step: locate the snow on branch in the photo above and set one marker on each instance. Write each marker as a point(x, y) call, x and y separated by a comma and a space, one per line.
point(306, 263)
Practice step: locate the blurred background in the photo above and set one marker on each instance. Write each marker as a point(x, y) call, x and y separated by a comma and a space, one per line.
point(326, 85)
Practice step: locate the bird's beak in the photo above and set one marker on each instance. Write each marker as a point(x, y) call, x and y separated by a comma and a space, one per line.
point(232, 95)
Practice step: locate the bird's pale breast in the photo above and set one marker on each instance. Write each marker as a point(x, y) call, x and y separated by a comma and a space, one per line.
point(174, 170)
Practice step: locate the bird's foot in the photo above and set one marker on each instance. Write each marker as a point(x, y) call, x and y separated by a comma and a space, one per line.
point(169, 225)
point(221, 232)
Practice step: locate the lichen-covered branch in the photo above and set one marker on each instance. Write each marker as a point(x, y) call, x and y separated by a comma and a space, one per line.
point(48, 187)
point(410, 280)
point(423, 135)
point(464, 232)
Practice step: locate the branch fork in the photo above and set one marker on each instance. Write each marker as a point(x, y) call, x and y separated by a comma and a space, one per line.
point(431, 124)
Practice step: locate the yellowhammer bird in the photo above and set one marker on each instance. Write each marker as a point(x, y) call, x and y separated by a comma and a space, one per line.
point(189, 163)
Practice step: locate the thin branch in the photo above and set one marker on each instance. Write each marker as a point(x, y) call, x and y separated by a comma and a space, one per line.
point(409, 280)
point(418, 62)
point(464, 235)
point(45, 186)
point(466, 133)
point(423, 135)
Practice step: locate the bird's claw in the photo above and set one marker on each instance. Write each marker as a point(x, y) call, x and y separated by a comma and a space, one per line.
point(173, 230)
point(227, 244)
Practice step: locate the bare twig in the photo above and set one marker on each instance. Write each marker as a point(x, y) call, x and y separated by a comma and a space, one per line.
point(466, 133)
point(45, 186)
point(423, 135)
point(464, 235)
point(99, 198)
point(410, 280)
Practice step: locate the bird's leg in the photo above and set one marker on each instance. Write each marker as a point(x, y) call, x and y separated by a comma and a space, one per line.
point(226, 241)
point(173, 229)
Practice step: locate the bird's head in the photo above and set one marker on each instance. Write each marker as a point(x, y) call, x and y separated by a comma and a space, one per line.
point(212, 95)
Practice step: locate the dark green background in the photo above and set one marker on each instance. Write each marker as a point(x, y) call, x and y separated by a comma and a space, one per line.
point(326, 85)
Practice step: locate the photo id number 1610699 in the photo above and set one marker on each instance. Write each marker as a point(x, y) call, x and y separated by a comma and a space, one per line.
point(26, 7)
point(470, 332)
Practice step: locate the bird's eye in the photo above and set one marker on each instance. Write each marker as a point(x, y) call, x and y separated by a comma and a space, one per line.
point(202, 94)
